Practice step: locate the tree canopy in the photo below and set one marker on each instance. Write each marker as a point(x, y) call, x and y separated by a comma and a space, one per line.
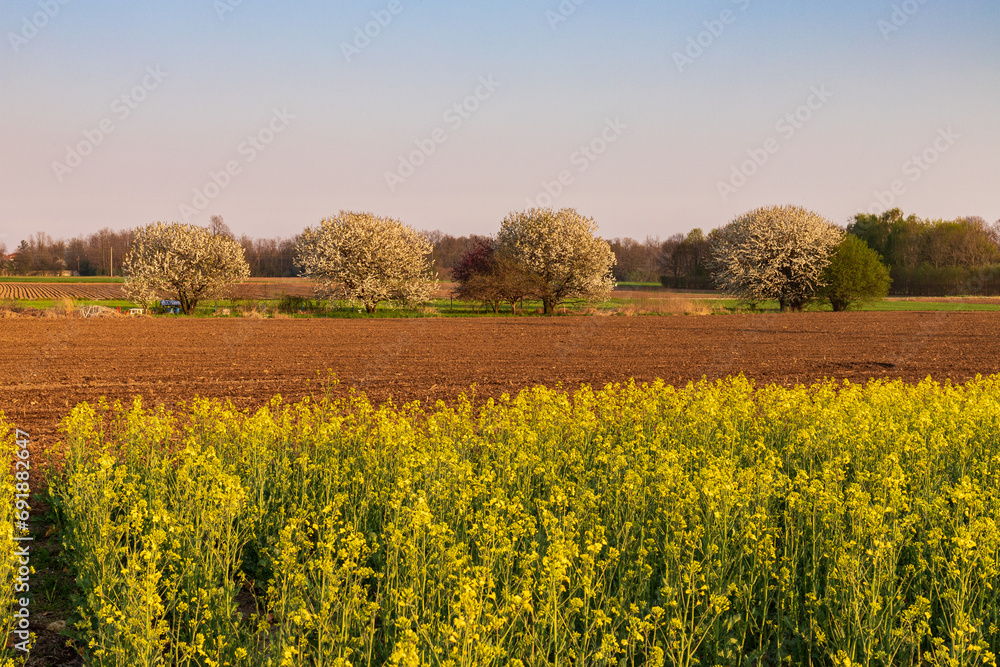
point(853, 275)
point(185, 261)
point(776, 252)
point(367, 259)
point(561, 251)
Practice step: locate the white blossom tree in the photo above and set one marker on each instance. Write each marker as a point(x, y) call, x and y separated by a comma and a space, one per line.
point(560, 249)
point(187, 262)
point(776, 252)
point(367, 259)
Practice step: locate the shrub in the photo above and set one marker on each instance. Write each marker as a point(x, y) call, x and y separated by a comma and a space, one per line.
point(854, 274)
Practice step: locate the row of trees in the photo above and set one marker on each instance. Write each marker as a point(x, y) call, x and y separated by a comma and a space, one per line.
point(103, 253)
point(919, 256)
point(784, 252)
point(100, 253)
point(367, 259)
point(793, 255)
point(934, 257)
point(681, 257)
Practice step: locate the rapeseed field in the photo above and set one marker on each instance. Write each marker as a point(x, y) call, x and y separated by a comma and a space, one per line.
point(715, 524)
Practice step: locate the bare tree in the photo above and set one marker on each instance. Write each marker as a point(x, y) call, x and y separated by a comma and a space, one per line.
point(218, 227)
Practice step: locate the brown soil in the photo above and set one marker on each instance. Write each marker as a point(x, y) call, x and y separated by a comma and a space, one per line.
point(47, 366)
point(254, 288)
point(89, 291)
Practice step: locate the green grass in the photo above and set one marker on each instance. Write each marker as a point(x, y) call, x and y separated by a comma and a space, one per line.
point(888, 305)
point(900, 305)
point(454, 308)
point(634, 284)
point(60, 279)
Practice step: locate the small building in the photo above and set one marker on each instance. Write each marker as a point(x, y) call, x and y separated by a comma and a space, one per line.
point(170, 306)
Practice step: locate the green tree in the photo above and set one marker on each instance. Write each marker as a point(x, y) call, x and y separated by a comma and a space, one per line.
point(22, 261)
point(854, 274)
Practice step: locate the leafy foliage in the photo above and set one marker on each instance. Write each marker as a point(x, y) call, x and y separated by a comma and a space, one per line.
point(777, 252)
point(367, 259)
point(493, 276)
point(854, 274)
point(934, 257)
point(187, 262)
point(560, 250)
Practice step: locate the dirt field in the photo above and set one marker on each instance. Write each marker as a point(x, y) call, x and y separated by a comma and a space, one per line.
point(254, 288)
point(88, 291)
point(47, 366)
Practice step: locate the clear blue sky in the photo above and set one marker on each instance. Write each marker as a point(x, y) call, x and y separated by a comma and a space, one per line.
point(666, 119)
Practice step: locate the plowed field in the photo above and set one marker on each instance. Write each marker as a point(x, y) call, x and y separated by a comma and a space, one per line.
point(57, 291)
point(47, 366)
point(255, 288)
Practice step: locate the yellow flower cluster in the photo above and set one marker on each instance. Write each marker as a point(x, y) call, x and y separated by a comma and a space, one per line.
point(716, 524)
point(9, 562)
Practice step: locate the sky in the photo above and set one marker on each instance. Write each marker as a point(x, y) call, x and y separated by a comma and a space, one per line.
point(651, 117)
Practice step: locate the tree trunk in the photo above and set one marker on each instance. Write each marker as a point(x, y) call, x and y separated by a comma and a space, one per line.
point(548, 306)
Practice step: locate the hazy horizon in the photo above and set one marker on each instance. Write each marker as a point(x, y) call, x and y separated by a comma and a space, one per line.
point(653, 118)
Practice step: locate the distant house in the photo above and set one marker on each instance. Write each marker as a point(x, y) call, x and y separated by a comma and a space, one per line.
point(170, 306)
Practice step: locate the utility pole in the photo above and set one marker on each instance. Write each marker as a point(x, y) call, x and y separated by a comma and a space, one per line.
point(112, 250)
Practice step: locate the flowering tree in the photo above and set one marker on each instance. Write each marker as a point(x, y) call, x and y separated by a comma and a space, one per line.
point(777, 252)
point(187, 262)
point(560, 250)
point(367, 259)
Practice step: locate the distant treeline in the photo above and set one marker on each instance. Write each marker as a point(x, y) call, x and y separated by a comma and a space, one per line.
point(102, 254)
point(924, 257)
point(934, 257)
